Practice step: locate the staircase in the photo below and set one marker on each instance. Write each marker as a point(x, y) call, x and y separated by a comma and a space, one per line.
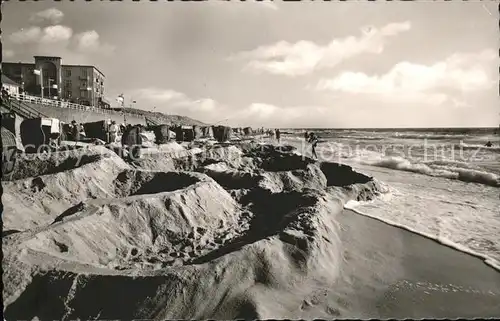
point(22, 109)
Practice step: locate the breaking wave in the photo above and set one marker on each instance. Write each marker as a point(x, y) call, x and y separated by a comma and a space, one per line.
point(447, 169)
point(428, 136)
point(495, 149)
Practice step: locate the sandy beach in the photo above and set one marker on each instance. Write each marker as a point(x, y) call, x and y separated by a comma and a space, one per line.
point(258, 229)
point(392, 273)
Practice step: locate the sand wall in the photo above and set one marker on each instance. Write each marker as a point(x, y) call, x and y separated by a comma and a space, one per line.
point(121, 241)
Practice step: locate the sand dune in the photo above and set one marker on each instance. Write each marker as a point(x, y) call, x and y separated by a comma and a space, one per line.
point(244, 231)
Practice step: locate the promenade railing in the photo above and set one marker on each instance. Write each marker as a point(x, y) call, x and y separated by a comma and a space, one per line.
point(65, 104)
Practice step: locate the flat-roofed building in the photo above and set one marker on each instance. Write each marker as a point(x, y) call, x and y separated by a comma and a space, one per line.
point(82, 84)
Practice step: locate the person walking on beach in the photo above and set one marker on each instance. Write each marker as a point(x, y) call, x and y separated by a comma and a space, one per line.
point(278, 135)
point(306, 136)
point(313, 139)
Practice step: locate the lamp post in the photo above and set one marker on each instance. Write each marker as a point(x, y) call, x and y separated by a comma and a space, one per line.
point(40, 73)
point(121, 100)
point(22, 77)
point(50, 87)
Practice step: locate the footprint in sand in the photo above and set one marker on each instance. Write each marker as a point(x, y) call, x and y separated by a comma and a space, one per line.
point(333, 311)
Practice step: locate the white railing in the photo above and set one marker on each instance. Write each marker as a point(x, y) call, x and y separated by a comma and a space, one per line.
point(64, 104)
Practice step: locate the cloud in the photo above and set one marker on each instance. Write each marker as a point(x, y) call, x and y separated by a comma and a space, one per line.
point(89, 42)
point(26, 35)
point(262, 114)
point(47, 35)
point(160, 95)
point(52, 15)
point(56, 33)
point(269, 115)
point(171, 100)
point(463, 72)
point(211, 111)
point(304, 57)
point(7, 53)
point(61, 38)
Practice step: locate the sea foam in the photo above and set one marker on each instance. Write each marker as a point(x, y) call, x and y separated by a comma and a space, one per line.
point(446, 169)
point(354, 206)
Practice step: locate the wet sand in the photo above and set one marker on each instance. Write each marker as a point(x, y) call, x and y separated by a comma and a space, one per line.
point(389, 272)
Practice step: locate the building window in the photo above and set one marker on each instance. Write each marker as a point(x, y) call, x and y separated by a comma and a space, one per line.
point(68, 72)
point(68, 83)
point(69, 94)
point(83, 72)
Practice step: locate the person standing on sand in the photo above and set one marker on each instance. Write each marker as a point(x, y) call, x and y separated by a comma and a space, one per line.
point(113, 131)
point(75, 131)
point(313, 139)
point(278, 135)
point(306, 136)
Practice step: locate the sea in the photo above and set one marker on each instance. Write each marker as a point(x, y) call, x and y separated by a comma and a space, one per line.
point(442, 183)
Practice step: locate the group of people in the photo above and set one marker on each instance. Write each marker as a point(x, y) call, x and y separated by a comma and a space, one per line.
point(309, 137)
point(131, 138)
point(75, 131)
point(274, 133)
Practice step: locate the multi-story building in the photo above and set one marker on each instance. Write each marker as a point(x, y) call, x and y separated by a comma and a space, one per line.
point(79, 84)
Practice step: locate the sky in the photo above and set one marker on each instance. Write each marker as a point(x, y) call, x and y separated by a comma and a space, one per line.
point(279, 64)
